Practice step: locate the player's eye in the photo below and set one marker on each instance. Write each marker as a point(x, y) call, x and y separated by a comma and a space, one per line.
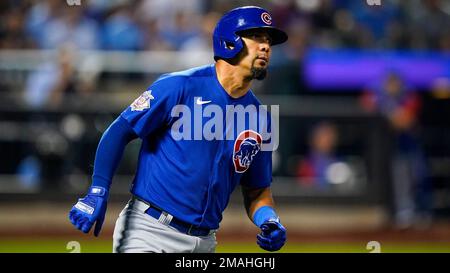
point(260, 37)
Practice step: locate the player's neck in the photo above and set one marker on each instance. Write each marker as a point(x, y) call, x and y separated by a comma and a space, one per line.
point(234, 81)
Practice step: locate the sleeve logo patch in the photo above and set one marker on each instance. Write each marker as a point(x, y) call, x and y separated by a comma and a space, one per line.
point(143, 102)
point(246, 146)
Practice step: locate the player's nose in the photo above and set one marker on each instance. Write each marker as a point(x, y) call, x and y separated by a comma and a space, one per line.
point(264, 45)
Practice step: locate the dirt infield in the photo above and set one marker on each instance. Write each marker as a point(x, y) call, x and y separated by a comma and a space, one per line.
point(304, 225)
point(438, 232)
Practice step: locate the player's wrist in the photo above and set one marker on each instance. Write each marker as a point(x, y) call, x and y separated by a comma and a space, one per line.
point(100, 182)
point(264, 214)
point(98, 191)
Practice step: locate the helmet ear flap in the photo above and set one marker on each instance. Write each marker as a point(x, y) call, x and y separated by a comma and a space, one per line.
point(233, 44)
point(228, 45)
point(230, 48)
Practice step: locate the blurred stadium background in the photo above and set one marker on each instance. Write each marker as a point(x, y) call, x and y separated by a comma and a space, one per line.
point(364, 95)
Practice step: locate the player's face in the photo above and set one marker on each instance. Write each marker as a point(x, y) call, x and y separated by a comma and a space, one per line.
point(258, 51)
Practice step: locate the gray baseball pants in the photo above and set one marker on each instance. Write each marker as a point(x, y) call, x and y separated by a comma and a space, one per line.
point(136, 231)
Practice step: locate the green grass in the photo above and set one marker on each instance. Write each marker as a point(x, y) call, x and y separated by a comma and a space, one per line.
point(52, 246)
point(340, 248)
point(24, 245)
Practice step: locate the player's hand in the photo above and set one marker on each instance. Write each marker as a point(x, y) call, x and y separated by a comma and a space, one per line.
point(89, 210)
point(272, 236)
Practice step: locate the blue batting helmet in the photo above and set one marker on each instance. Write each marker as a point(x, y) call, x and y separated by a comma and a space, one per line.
point(226, 40)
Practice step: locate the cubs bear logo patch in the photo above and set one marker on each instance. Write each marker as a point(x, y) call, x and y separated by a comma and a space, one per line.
point(143, 102)
point(246, 146)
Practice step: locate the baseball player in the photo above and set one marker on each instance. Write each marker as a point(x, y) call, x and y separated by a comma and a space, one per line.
point(182, 186)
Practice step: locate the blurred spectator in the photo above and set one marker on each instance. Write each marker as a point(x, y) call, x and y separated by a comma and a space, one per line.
point(152, 36)
point(203, 41)
point(429, 23)
point(394, 99)
point(286, 72)
point(197, 45)
point(322, 168)
point(48, 85)
point(12, 31)
point(165, 10)
point(284, 12)
point(120, 31)
point(344, 30)
point(70, 25)
point(184, 29)
point(39, 16)
point(323, 16)
point(441, 88)
point(29, 171)
point(169, 23)
point(375, 18)
point(56, 151)
point(418, 24)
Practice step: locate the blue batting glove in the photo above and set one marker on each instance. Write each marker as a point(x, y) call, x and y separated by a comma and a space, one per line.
point(89, 210)
point(272, 236)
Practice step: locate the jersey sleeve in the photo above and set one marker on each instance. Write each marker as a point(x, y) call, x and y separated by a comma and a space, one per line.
point(259, 174)
point(152, 109)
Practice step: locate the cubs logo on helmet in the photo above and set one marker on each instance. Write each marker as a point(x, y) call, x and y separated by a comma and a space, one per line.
point(246, 146)
point(267, 19)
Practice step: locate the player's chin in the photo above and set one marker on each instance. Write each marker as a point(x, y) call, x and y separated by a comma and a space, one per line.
point(259, 73)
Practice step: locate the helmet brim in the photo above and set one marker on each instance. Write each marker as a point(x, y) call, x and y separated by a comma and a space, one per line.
point(277, 35)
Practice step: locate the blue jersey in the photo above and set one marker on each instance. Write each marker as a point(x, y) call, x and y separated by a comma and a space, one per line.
point(192, 177)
